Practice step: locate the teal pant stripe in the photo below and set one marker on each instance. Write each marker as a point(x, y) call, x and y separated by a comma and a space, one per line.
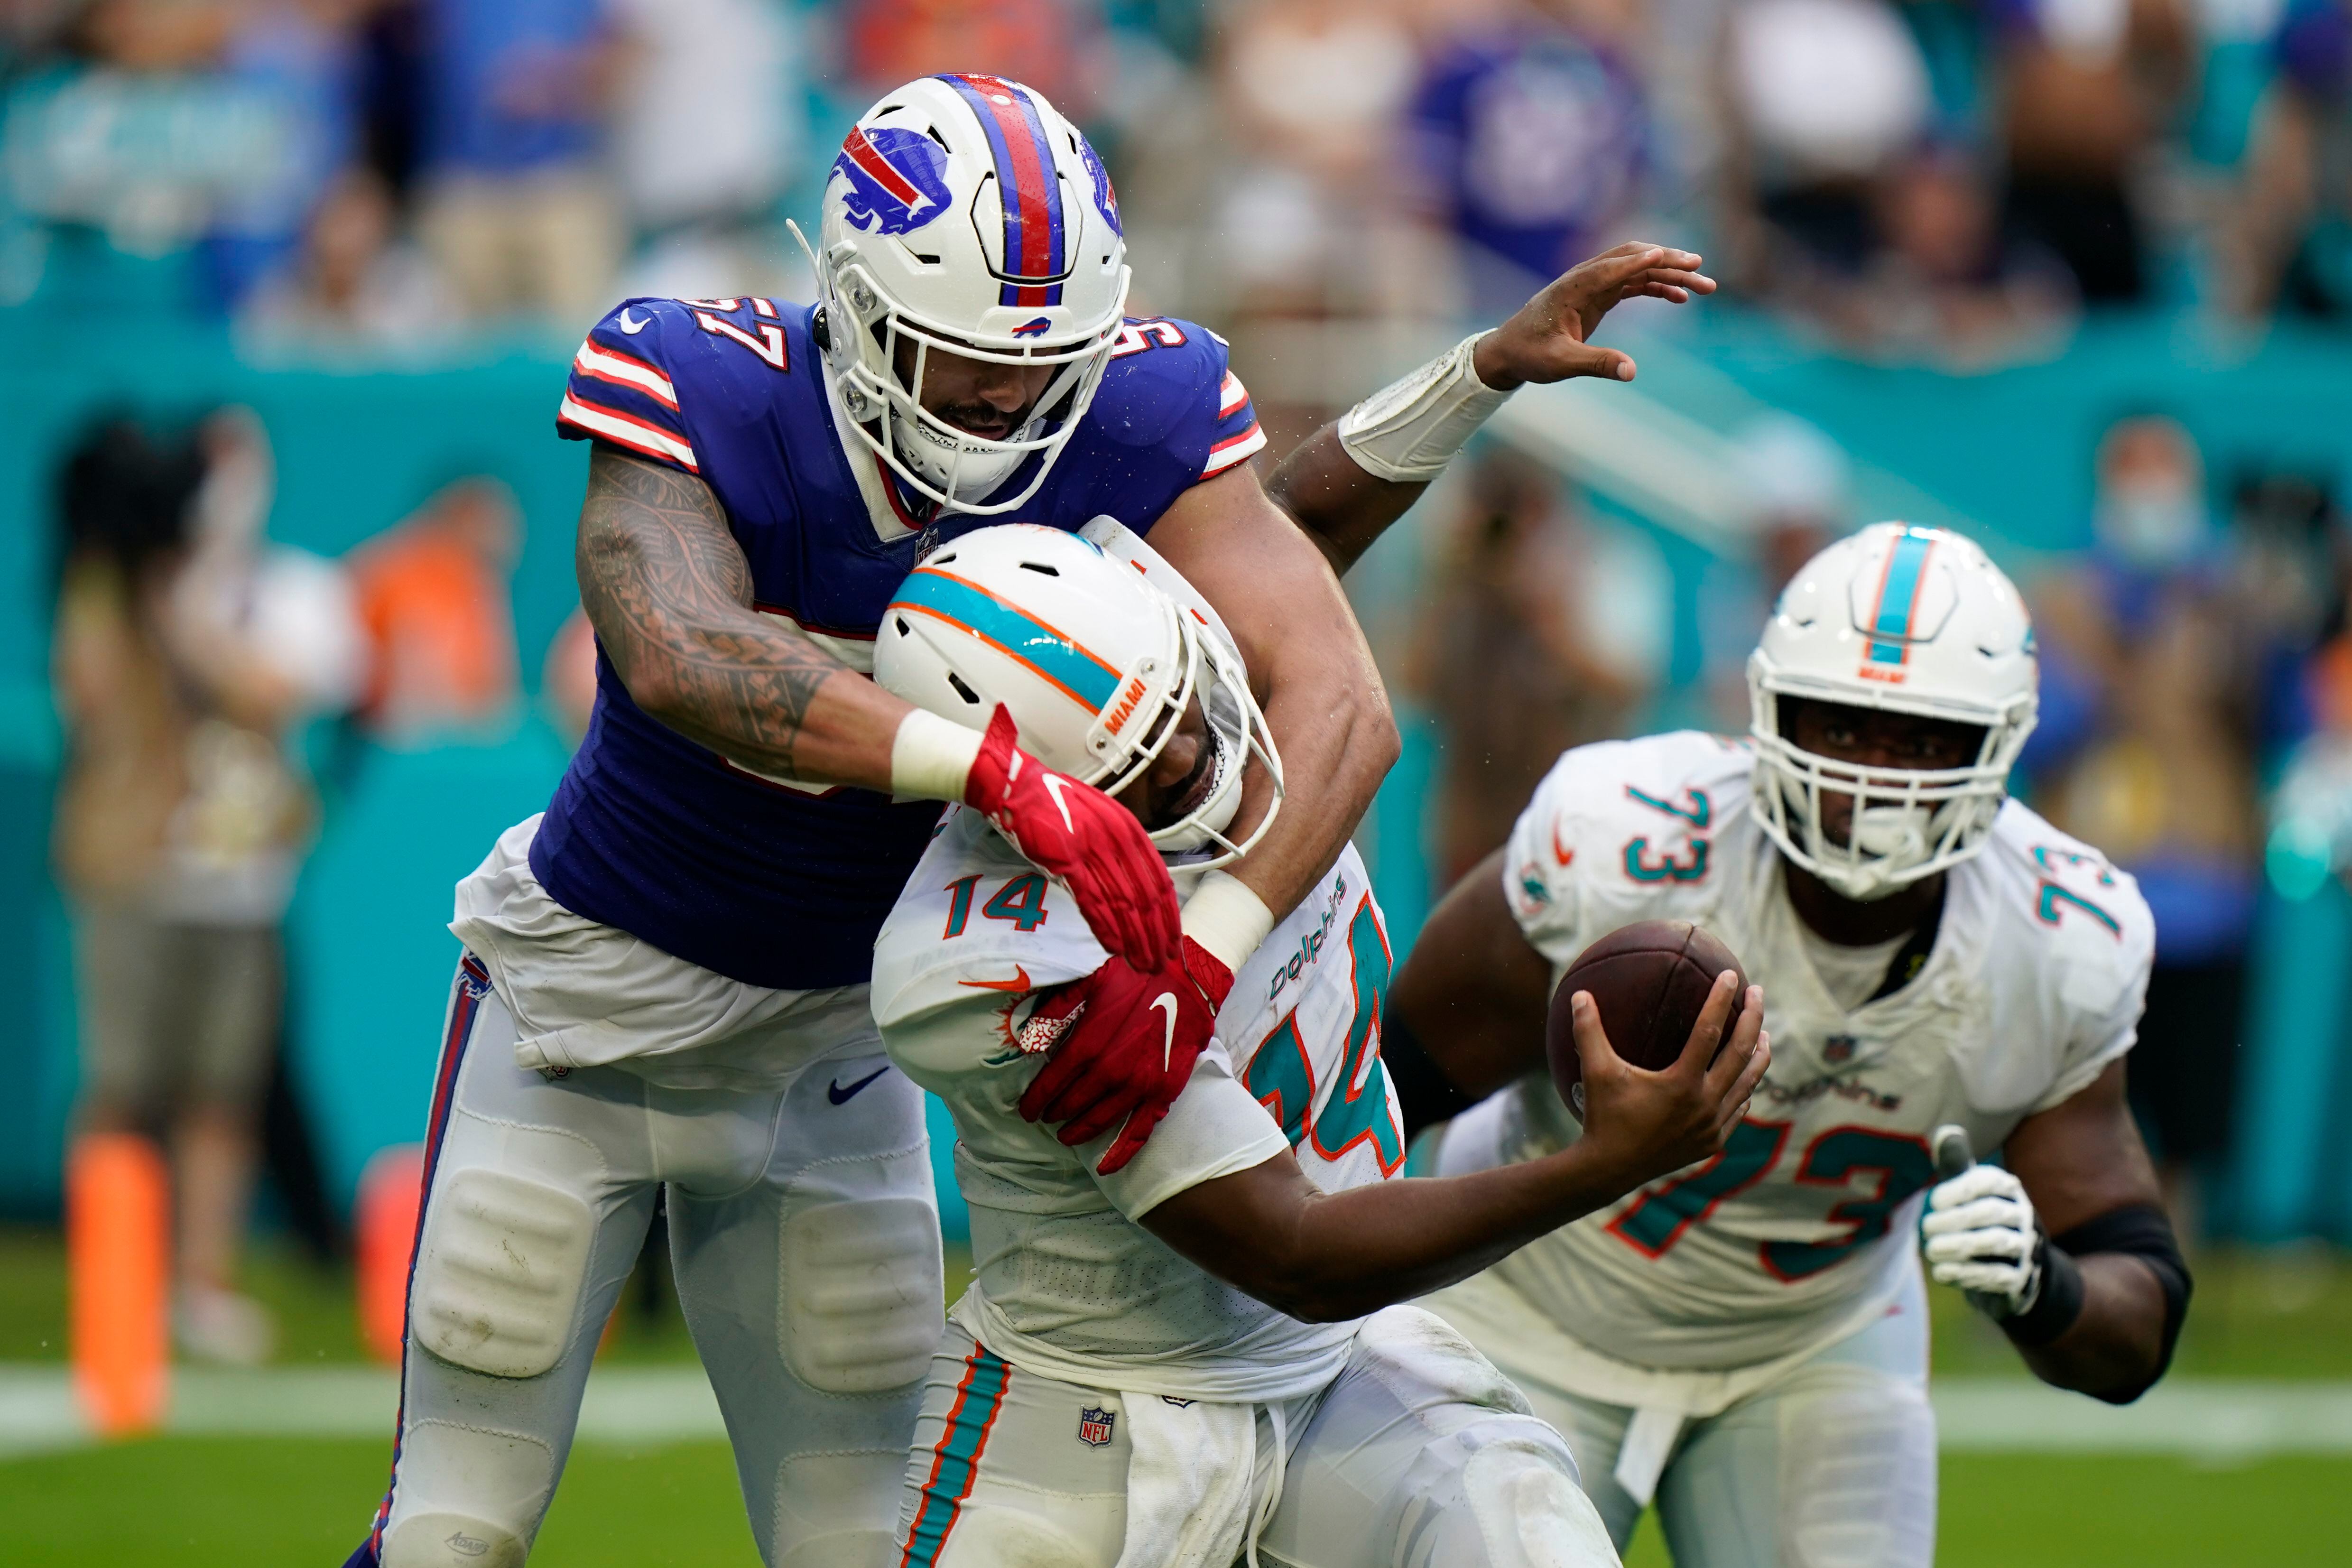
point(957, 1461)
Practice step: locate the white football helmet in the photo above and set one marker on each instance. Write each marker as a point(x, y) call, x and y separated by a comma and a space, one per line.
point(1912, 620)
point(964, 215)
point(1095, 664)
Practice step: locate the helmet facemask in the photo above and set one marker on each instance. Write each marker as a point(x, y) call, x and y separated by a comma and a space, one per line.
point(939, 460)
point(1235, 731)
point(1906, 824)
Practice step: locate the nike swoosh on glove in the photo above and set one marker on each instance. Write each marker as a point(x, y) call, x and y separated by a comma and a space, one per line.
point(1076, 833)
point(1981, 1234)
point(1132, 1037)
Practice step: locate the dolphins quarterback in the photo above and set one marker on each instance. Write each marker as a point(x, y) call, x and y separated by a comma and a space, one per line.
point(1745, 1342)
point(1199, 1357)
point(664, 981)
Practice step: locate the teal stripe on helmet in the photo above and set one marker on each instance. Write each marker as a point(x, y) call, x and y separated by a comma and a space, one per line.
point(973, 609)
point(1897, 595)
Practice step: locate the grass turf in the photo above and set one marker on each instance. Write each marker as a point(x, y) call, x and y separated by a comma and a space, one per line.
point(258, 1503)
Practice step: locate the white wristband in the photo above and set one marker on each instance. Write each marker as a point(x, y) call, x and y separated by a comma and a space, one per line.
point(1225, 918)
point(930, 757)
point(1409, 429)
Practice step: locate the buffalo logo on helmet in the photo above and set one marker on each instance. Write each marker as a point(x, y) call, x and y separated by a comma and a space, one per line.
point(897, 179)
point(1105, 198)
point(1094, 1426)
point(1031, 329)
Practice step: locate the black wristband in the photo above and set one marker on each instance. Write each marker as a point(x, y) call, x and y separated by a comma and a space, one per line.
point(2142, 1231)
point(2059, 1304)
point(1425, 1094)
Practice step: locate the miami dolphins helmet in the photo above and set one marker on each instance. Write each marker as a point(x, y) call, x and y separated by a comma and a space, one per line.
point(1097, 647)
point(1908, 620)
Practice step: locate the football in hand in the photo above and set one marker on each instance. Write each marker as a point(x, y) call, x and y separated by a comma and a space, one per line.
point(1648, 980)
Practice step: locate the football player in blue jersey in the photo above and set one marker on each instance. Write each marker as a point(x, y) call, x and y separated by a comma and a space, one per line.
point(665, 983)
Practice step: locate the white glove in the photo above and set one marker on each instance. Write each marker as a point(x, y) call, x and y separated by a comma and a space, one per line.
point(1980, 1235)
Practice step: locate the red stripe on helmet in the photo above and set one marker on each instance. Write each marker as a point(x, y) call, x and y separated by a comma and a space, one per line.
point(1031, 170)
point(861, 152)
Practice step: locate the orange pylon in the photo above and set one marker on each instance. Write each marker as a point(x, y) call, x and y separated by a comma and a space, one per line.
point(392, 1190)
point(119, 1259)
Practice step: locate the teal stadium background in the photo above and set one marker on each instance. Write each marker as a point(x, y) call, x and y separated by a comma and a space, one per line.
point(370, 952)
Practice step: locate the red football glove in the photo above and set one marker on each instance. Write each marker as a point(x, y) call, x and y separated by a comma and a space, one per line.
point(1076, 833)
point(1126, 1040)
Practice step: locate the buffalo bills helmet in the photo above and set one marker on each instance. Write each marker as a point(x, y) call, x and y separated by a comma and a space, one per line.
point(965, 216)
point(1909, 620)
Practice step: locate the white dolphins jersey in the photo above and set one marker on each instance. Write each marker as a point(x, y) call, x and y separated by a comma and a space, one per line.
point(1803, 1228)
point(1068, 1285)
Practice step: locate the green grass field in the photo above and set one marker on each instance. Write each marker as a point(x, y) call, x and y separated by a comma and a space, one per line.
point(214, 1502)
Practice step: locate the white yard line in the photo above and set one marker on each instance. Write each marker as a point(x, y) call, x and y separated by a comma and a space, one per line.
point(2205, 1419)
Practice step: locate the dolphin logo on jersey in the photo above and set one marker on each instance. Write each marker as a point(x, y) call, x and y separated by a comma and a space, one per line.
point(897, 179)
point(1106, 199)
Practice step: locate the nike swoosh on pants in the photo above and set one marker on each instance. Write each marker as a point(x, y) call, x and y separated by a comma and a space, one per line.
point(840, 1096)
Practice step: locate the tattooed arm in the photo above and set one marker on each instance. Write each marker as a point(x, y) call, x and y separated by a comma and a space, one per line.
point(669, 594)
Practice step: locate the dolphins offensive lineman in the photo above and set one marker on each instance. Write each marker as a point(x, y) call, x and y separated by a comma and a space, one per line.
point(1746, 1341)
point(663, 982)
point(1196, 1358)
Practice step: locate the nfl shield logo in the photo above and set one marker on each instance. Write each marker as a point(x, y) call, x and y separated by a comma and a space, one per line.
point(1838, 1048)
point(1094, 1426)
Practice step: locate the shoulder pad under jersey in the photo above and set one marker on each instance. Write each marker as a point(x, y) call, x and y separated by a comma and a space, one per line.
point(1621, 831)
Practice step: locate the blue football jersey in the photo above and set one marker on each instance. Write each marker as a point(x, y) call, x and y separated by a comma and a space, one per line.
point(768, 882)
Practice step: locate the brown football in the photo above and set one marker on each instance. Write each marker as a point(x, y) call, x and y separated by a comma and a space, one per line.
point(1649, 979)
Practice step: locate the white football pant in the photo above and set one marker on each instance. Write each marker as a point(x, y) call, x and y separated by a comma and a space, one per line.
point(1832, 1465)
point(806, 1243)
point(1416, 1456)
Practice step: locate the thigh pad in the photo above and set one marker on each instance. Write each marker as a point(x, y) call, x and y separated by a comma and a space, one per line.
point(499, 1272)
point(860, 1311)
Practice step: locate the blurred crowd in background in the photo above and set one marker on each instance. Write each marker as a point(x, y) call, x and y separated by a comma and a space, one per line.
point(1949, 178)
point(1953, 183)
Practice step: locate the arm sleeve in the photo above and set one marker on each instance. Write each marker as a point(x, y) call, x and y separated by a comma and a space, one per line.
point(621, 389)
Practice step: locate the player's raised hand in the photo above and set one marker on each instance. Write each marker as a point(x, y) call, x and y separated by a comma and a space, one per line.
point(1076, 833)
point(1642, 1125)
point(1550, 339)
point(1127, 1041)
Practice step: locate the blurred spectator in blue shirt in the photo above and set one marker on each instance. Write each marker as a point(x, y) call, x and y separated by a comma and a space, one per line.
point(517, 209)
point(1532, 140)
point(2292, 241)
point(2151, 708)
point(302, 58)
